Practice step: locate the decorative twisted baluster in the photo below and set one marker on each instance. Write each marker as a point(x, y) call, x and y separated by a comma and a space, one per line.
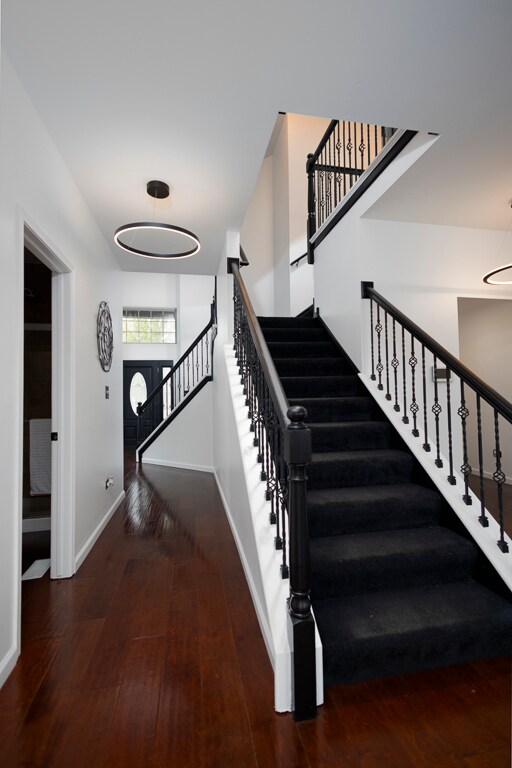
point(394, 364)
point(499, 478)
point(386, 351)
point(483, 519)
point(405, 417)
point(380, 367)
point(436, 410)
point(426, 444)
point(466, 467)
point(414, 407)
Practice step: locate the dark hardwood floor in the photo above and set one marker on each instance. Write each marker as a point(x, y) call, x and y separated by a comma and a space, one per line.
point(152, 656)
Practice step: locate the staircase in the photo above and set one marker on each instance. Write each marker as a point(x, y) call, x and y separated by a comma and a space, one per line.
point(397, 585)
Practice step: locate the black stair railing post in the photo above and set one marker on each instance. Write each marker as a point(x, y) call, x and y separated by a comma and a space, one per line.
point(301, 624)
point(311, 223)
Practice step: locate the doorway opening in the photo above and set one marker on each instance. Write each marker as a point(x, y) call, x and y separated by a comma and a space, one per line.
point(49, 409)
point(37, 415)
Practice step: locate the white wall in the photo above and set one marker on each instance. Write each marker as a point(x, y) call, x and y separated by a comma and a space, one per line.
point(281, 221)
point(188, 441)
point(273, 233)
point(35, 185)
point(195, 297)
point(257, 239)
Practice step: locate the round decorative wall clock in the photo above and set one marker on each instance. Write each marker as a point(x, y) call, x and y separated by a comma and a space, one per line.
point(105, 336)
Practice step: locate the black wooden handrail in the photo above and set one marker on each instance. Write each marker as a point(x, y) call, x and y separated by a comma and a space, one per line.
point(142, 406)
point(388, 345)
point(267, 364)
point(194, 367)
point(284, 451)
point(486, 392)
point(298, 259)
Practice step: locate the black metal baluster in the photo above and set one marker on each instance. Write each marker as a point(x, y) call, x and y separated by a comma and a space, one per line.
point(278, 540)
point(414, 408)
point(344, 159)
point(426, 444)
point(349, 149)
point(394, 362)
point(436, 410)
point(451, 477)
point(499, 478)
point(271, 469)
point(466, 467)
point(372, 377)
point(380, 367)
point(283, 501)
point(386, 350)
point(329, 180)
point(405, 417)
point(483, 519)
point(337, 189)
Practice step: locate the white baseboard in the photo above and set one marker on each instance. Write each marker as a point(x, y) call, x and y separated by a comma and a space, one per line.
point(177, 465)
point(8, 663)
point(91, 541)
point(35, 524)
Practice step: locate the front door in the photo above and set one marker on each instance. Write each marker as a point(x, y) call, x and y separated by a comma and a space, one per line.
point(140, 377)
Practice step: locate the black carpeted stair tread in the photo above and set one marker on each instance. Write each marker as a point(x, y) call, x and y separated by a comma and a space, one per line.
point(349, 435)
point(295, 334)
point(366, 562)
point(289, 322)
point(312, 386)
point(345, 468)
point(392, 589)
point(398, 631)
point(304, 349)
point(289, 366)
point(335, 511)
point(329, 409)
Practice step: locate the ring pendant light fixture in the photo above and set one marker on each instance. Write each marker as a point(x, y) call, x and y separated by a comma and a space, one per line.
point(489, 277)
point(157, 190)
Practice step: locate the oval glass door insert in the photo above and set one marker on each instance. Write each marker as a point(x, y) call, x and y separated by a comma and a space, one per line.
point(138, 390)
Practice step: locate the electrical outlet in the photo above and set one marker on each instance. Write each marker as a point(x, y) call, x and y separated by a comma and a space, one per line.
point(109, 482)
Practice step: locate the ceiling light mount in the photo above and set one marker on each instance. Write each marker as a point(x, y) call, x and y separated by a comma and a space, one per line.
point(157, 189)
point(125, 236)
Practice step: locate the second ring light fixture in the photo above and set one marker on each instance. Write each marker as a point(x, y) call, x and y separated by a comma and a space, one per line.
point(158, 190)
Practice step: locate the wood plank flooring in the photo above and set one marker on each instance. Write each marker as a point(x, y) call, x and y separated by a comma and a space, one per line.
point(152, 656)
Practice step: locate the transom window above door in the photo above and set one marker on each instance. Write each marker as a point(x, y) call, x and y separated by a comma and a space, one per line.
point(149, 326)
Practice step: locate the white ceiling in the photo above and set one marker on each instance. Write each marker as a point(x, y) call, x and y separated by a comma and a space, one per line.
point(189, 93)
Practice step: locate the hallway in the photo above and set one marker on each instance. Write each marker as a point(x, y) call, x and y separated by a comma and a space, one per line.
point(152, 656)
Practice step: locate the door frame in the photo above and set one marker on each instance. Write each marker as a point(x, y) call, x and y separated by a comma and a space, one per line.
point(137, 362)
point(62, 557)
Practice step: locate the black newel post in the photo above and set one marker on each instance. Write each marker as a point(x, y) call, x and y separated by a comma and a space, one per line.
point(311, 224)
point(301, 624)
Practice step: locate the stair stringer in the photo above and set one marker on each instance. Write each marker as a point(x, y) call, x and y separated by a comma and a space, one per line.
point(270, 605)
point(485, 538)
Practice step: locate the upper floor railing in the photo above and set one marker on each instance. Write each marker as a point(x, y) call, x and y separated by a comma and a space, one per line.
point(348, 153)
point(465, 423)
point(284, 450)
point(193, 369)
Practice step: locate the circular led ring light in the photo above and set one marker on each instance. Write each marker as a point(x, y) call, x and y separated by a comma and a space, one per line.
point(158, 226)
point(487, 277)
